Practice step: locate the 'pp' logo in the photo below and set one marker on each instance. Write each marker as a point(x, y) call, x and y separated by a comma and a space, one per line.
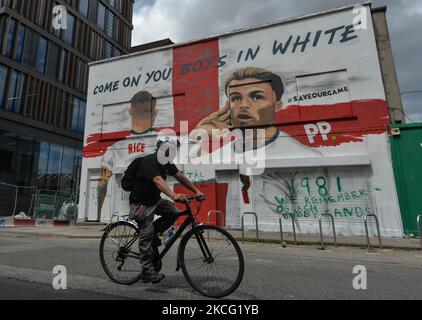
point(59, 18)
point(321, 128)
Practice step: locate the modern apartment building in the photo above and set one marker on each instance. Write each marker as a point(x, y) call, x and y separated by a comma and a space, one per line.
point(43, 85)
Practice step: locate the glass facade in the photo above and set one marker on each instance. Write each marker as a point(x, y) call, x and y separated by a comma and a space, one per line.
point(15, 92)
point(10, 36)
point(78, 114)
point(25, 161)
point(68, 34)
point(19, 45)
point(83, 7)
point(3, 79)
point(44, 80)
point(101, 16)
point(52, 59)
point(41, 56)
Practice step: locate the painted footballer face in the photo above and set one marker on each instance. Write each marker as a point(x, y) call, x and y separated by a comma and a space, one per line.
point(252, 103)
point(143, 116)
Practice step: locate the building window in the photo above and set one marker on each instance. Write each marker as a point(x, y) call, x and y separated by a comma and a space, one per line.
point(41, 55)
point(101, 16)
point(69, 32)
point(110, 24)
point(52, 59)
point(3, 79)
point(40, 7)
point(83, 7)
point(2, 31)
point(109, 50)
point(63, 66)
point(15, 92)
point(44, 150)
point(93, 9)
point(5, 3)
point(116, 4)
point(19, 46)
point(67, 179)
point(78, 115)
point(54, 166)
point(30, 48)
point(10, 38)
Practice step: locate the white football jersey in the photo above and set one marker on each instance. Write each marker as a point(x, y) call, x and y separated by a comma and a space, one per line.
point(120, 155)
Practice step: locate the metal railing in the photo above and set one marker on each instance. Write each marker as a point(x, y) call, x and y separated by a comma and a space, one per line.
point(367, 230)
point(54, 205)
point(217, 213)
point(243, 225)
point(321, 232)
point(419, 223)
point(19, 198)
point(293, 226)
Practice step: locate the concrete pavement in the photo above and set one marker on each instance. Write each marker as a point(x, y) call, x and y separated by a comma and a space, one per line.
point(95, 232)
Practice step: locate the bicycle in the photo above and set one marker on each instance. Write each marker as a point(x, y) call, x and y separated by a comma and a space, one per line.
point(209, 257)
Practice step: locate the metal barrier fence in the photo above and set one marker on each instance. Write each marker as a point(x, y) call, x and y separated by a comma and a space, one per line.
point(367, 230)
point(419, 222)
point(36, 203)
point(293, 227)
point(243, 225)
point(15, 199)
point(54, 205)
point(320, 229)
point(217, 213)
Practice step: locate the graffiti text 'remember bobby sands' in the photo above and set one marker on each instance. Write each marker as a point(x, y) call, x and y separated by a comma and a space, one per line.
point(143, 115)
point(254, 98)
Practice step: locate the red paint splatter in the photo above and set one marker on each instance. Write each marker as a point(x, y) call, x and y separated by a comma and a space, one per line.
point(97, 144)
point(366, 117)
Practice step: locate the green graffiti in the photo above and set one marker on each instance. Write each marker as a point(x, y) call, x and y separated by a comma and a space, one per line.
point(322, 186)
point(316, 197)
point(124, 196)
point(195, 175)
point(305, 184)
point(350, 212)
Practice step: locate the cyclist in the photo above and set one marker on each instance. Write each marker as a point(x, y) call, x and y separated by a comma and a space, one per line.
point(146, 201)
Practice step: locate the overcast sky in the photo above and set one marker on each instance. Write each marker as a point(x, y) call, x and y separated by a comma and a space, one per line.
point(184, 20)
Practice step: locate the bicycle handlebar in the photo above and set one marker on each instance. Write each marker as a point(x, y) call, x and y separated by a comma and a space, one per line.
point(200, 199)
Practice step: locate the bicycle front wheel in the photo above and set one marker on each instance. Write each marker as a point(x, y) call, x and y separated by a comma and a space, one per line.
point(119, 253)
point(212, 261)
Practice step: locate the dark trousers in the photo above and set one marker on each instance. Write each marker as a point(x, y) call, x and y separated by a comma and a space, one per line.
point(144, 217)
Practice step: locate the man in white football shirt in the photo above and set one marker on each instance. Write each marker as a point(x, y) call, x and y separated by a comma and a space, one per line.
point(140, 143)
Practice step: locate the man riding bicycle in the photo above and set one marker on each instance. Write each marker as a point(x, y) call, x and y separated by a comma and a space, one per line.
point(145, 200)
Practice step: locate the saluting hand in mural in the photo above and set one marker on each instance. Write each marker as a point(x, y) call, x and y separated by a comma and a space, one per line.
point(219, 120)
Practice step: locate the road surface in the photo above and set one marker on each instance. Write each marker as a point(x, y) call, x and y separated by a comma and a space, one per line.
point(26, 265)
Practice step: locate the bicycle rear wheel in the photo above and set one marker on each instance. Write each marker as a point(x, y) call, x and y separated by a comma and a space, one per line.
point(119, 253)
point(212, 261)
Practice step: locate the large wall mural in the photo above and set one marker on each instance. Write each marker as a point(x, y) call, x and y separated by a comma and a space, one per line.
point(314, 88)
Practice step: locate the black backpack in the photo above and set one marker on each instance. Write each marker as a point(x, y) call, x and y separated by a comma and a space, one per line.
point(131, 175)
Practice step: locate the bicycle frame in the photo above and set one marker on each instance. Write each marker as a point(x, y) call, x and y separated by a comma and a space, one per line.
point(190, 220)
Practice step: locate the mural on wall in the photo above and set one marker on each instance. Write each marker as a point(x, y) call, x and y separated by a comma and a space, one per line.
point(305, 194)
point(313, 86)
